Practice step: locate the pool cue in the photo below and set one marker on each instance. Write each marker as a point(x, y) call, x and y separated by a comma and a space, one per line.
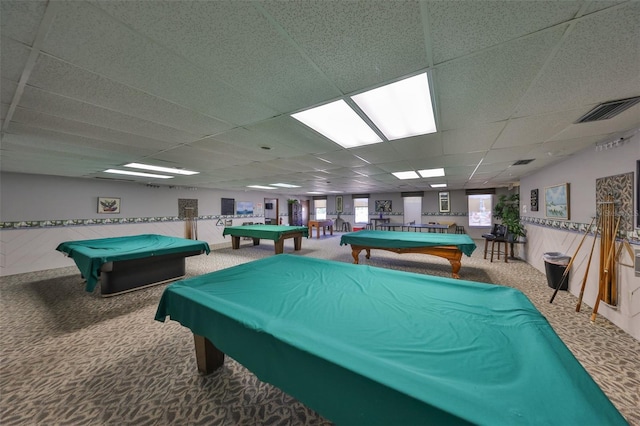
point(601, 284)
point(566, 270)
point(586, 273)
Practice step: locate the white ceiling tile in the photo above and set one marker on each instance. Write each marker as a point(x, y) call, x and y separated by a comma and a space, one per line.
point(21, 19)
point(488, 87)
point(67, 80)
point(65, 143)
point(117, 52)
point(476, 138)
point(588, 68)
point(12, 69)
point(74, 110)
point(286, 81)
point(342, 38)
point(462, 27)
point(44, 121)
point(535, 129)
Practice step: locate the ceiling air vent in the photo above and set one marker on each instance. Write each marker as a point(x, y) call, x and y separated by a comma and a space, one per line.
point(608, 110)
point(114, 179)
point(522, 162)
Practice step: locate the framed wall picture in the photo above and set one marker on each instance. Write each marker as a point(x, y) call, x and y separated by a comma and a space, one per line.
point(443, 202)
point(108, 205)
point(534, 200)
point(339, 203)
point(556, 201)
point(244, 208)
point(383, 206)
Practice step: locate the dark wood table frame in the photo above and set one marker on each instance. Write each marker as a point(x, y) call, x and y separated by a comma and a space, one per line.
point(279, 243)
point(451, 253)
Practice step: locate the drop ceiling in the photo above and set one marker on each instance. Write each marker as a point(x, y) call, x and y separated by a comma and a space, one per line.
point(210, 86)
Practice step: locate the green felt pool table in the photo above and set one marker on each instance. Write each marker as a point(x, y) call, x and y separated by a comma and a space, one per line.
point(277, 233)
point(371, 346)
point(448, 246)
point(126, 263)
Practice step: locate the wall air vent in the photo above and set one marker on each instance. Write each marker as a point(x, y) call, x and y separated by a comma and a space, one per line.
point(608, 110)
point(522, 162)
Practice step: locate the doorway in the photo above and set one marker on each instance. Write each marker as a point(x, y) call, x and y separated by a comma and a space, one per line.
point(271, 211)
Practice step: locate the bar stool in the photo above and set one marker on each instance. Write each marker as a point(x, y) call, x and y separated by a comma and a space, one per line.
point(501, 237)
point(460, 229)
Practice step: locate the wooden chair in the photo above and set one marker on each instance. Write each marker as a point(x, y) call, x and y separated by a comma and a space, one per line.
point(460, 230)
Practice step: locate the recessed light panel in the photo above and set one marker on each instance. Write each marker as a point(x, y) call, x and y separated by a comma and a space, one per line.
point(132, 173)
point(260, 187)
point(439, 185)
point(431, 173)
point(161, 169)
point(284, 185)
point(401, 109)
point(340, 123)
point(406, 175)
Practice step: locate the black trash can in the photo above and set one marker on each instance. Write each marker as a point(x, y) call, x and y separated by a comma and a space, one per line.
point(555, 264)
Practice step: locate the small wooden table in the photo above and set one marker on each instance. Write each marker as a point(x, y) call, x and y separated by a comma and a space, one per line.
point(324, 224)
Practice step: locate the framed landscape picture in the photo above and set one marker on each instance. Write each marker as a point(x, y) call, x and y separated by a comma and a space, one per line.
point(556, 201)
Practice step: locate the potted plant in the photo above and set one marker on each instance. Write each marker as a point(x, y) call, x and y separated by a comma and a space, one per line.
point(508, 211)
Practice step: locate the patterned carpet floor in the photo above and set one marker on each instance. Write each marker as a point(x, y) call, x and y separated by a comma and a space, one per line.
point(74, 358)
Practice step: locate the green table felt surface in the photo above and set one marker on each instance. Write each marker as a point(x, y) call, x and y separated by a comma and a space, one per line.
point(90, 255)
point(366, 345)
point(395, 239)
point(267, 232)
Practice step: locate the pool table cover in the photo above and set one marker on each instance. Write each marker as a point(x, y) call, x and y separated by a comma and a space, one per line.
point(90, 255)
point(366, 345)
point(267, 232)
point(396, 239)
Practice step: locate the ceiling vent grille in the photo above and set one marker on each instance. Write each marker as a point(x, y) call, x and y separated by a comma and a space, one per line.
point(114, 179)
point(608, 110)
point(522, 162)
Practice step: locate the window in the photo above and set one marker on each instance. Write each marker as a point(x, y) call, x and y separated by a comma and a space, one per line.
point(320, 209)
point(361, 207)
point(480, 210)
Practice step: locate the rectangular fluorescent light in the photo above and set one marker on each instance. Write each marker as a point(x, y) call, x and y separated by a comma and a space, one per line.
point(401, 109)
point(284, 185)
point(439, 185)
point(314, 192)
point(161, 169)
point(340, 123)
point(406, 175)
point(131, 173)
point(260, 187)
point(431, 173)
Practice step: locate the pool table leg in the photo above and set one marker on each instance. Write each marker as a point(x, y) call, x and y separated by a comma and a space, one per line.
point(455, 267)
point(256, 241)
point(279, 246)
point(355, 252)
point(208, 357)
point(297, 243)
point(235, 242)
